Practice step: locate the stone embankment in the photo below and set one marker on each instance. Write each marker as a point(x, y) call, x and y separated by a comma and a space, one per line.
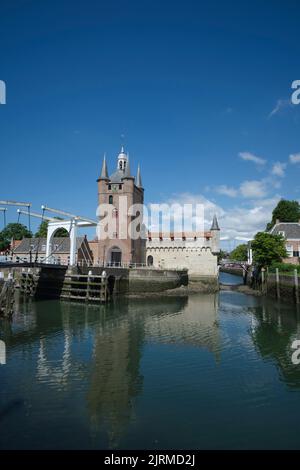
point(6, 296)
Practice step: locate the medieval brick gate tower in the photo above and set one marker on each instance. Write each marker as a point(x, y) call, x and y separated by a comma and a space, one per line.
point(116, 189)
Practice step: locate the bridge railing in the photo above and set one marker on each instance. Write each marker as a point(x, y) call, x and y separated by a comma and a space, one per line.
point(80, 263)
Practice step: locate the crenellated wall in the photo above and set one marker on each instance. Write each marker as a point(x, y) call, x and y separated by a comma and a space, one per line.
point(199, 261)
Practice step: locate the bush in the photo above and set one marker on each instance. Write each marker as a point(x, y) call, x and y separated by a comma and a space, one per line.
point(284, 267)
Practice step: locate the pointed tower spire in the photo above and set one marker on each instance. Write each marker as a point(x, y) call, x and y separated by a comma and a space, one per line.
point(139, 178)
point(104, 172)
point(215, 225)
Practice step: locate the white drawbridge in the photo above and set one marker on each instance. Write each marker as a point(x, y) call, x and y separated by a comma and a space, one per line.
point(71, 225)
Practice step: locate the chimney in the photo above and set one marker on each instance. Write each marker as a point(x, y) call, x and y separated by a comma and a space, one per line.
point(277, 221)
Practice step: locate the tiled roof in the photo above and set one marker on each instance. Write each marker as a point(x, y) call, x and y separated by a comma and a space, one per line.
point(117, 176)
point(39, 244)
point(291, 229)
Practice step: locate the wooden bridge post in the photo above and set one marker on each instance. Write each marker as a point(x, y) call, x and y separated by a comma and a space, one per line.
point(263, 279)
point(277, 284)
point(296, 285)
point(88, 286)
point(103, 287)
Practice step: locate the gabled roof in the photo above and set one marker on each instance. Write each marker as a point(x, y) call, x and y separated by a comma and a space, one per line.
point(291, 229)
point(39, 244)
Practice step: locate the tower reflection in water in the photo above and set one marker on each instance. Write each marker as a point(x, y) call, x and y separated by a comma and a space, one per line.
point(112, 376)
point(108, 376)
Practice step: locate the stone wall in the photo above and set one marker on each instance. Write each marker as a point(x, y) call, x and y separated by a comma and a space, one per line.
point(154, 280)
point(199, 261)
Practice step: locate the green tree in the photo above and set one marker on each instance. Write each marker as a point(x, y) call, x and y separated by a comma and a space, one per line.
point(285, 211)
point(42, 231)
point(15, 231)
point(240, 253)
point(268, 248)
point(4, 244)
point(221, 255)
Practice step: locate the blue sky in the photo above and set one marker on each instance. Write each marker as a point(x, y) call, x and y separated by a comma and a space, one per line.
point(199, 89)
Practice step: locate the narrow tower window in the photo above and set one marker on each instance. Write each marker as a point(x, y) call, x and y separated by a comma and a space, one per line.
point(110, 200)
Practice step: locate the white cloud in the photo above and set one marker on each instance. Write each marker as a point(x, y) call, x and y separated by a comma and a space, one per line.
point(247, 156)
point(253, 189)
point(243, 220)
point(226, 190)
point(280, 105)
point(278, 169)
point(294, 158)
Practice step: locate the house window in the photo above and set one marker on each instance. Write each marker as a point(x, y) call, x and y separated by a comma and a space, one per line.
point(289, 249)
point(120, 186)
point(109, 186)
point(43, 247)
point(296, 254)
point(110, 200)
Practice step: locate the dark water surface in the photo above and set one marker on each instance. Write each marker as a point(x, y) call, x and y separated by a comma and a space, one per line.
point(206, 372)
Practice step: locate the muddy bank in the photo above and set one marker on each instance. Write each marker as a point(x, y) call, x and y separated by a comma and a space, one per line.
point(182, 291)
point(241, 288)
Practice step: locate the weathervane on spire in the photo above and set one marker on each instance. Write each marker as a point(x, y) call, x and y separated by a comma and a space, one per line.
point(122, 142)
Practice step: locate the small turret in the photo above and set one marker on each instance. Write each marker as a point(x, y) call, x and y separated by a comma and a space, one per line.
point(139, 178)
point(215, 235)
point(122, 160)
point(104, 172)
point(215, 225)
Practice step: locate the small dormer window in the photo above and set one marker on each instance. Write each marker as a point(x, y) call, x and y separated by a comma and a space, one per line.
point(282, 233)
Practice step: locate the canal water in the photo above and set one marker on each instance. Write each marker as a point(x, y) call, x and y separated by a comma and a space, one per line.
point(197, 372)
